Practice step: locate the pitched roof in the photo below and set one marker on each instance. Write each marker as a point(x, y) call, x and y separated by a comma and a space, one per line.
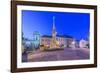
point(47, 36)
point(64, 36)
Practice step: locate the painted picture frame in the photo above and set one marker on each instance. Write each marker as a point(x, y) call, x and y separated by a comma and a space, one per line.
point(52, 36)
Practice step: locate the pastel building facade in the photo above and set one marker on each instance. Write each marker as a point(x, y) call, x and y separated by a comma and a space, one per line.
point(61, 41)
point(54, 40)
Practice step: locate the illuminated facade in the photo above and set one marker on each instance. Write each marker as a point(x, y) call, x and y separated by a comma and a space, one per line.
point(61, 41)
point(56, 41)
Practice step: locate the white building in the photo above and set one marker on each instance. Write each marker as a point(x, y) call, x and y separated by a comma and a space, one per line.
point(83, 44)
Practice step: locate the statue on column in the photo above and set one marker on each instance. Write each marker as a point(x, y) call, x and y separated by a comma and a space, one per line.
point(53, 40)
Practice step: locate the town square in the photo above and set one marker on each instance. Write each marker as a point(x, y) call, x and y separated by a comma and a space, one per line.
point(54, 46)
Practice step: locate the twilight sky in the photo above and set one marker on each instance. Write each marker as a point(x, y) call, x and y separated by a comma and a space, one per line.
point(67, 23)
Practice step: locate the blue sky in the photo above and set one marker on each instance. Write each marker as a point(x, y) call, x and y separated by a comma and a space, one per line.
point(67, 23)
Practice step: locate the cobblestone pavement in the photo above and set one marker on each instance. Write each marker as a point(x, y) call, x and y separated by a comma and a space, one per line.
point(57, 55)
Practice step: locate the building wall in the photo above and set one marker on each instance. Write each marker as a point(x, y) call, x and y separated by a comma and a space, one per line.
point(45, 41)
point(83, 44)
point(62, 41)
point(69, 42)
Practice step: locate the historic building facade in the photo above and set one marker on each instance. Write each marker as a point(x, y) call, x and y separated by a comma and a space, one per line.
point(61, 41)
point(48, 41)
point(55, 41)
